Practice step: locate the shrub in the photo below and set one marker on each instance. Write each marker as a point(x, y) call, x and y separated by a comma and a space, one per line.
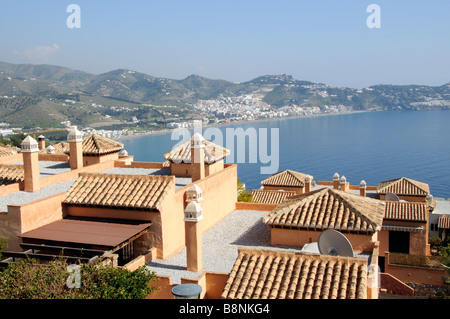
point(28, 280)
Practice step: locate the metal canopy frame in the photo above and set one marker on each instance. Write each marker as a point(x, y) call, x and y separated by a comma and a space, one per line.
point(51, 253)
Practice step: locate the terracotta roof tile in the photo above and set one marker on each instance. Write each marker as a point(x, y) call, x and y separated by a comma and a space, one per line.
point(270, 196)
point(444, 222)
point(8, 150)
point(328, 208)
point(10, 174)
point(95, 144)
point(286, 178)
point(403, 186)
point(61, 148)
point(406, 211)
point(125, 191)
point(182, 153)
point(270, 274)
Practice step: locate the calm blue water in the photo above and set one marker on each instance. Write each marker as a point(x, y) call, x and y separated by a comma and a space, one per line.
point(373, 146)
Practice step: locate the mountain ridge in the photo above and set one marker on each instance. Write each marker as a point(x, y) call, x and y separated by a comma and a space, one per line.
point(47, 84)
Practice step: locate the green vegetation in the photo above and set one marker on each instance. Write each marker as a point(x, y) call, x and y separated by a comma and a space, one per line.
point(28, 280)
point(46, 95)
point(243, 195)
point(3, 243)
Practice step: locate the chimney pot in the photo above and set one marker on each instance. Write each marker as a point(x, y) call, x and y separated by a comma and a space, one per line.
point(362, 188)
point(193, 236)
point(30, 150)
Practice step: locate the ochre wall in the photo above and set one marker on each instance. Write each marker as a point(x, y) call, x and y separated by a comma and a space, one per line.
point(11, 159)
point(53, 157)
point(90, 160)
point(23, 218)
point(297, 190)
point(421, 199)
point(418, 241)
point(213, 168)
point(298, 238)
point(255, 206)
point(184, 169)
point(78, 211)
point(181, 169)
point(212, 285)
point(219, 197)
point(415, 274)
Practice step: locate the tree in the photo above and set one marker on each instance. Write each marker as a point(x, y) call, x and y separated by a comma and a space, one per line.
point(27, 279)
point(445, 261)
point(243, 196)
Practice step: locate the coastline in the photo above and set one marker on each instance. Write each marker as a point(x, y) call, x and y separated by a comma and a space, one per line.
point(165, 131)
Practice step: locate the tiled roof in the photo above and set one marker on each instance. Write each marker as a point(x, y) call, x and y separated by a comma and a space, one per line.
point(10, 174)
point(125, 191)
point(61, 148)
point(286, 178)
point(404, 186)
point(182, 153)
point(95, 144)
point(328, 208)
point(8, 150)
point(270, 196)
point(287, 275)
point(444, 222)
point(406, 211)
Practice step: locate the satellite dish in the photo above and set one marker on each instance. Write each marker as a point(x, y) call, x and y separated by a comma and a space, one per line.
point(332, 242)
point(391, 197)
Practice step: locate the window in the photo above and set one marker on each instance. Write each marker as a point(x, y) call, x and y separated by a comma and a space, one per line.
point(126, 254)
point(399, 242)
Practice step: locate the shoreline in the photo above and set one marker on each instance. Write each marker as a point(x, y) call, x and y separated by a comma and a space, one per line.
point(160, 132)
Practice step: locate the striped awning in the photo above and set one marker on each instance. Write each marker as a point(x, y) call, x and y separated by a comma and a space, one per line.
point(444, 222)
point(411, 229)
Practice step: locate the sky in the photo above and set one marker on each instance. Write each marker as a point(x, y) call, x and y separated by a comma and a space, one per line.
point(324, 41)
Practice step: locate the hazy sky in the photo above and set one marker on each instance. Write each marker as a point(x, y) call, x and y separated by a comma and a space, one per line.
point(324, 41)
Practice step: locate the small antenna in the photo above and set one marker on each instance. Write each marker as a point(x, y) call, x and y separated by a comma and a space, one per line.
point(332, 242)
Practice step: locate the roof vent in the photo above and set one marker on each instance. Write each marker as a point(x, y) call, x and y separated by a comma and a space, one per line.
point(74, 135)
point(194, 193)
point(193, 212)
point(29, 145)
point(50, 149)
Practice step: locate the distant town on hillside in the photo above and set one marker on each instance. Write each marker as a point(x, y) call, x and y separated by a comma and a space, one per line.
point(125, 102)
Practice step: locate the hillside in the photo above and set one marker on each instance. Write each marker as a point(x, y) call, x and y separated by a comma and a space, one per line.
point(45, 95)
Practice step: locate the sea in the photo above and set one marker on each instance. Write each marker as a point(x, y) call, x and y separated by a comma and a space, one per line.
point(369, 146)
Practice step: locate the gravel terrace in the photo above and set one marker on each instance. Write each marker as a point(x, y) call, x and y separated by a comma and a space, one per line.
point(241, 228)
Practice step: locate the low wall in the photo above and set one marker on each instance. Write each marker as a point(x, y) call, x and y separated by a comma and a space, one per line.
point(11, 188)
point(300, 237)
point(414, 274)
point(255, 206)
point(54, 157)
point(354, 187)
point(11, 159)
point(212, 285)
point(23, 218)
point(394, 286)
point(219, 200)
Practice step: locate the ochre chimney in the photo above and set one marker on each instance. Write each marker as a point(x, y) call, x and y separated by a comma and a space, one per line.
point(308, 182)
point(41, 142)
point(75, 140)
point(336, 181)
point(30, 153)
point(344, 185)
point(197, 157)
point(193, 236)
point(362, 188)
